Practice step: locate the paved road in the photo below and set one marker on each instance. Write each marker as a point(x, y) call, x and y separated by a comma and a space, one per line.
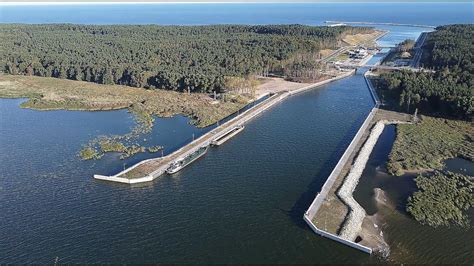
point(377, 67)
point(336, 53)
point(415, 69)
point(415, 63)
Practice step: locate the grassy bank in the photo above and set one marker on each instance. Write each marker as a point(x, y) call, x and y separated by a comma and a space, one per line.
point(425, 145)
point(62, 94)
point(442, 198)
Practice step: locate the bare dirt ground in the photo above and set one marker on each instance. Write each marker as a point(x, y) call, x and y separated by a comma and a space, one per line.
point(326, 52)
point(362, 39)
point(274, 85)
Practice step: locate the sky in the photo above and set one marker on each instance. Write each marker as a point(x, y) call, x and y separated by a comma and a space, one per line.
point(217, 1)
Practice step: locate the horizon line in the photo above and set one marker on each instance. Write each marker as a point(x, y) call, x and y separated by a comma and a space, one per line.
point(11, 3)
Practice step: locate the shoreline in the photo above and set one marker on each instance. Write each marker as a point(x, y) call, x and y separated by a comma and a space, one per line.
point(155, 167)
point(149, 170)
point(347, 216)
point(379, 23)
point(315, 206)
point(348, 220)
point(49, 93)
point(353, 223)
point(352, 227)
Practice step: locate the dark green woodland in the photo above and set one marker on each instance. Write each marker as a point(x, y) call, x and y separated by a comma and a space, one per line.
point(449, 91)
point(182, 58)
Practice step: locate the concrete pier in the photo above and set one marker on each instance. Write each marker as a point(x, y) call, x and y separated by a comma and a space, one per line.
point(313, 209)
point(334, 213)
point(232, 132)
point(148, 170)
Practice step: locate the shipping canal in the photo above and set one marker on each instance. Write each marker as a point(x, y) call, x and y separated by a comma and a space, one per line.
point(242, 202)
point(228, 206)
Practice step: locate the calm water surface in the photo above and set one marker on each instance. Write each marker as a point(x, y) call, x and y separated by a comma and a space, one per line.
point(242, 203)
point(409, 241)
point(198, 14)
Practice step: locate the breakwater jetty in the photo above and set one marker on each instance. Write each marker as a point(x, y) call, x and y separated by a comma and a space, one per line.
point(378, 23)
point(222, 139)
point(334, 213)
point(327, 188)
point(353, 223)
point(149, 170)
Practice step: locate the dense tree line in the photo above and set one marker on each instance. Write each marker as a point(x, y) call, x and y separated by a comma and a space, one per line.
point(442, 92)
point(304, 68)
point(405, 46)
point(442, 200)
point(448, 91)
point(183, 58)
point(450, 46)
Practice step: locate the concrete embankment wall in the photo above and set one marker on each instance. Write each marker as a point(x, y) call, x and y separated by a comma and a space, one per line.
point(371, 89)
point(198, 142)
point(353, 222)
point(321, 196)
point(335, 237)
point(345, 75)
point(124, 180)
point(161, 170)
point(216, 133)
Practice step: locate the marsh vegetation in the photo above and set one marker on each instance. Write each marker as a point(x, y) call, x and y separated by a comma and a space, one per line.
point(55, 94)
point(62, 94)
point(203, 72)
point(447, 95)
point(443, 199)
point(425, 145)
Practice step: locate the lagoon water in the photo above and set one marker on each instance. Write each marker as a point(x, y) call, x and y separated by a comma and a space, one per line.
point(409, 241)
point(241, 203)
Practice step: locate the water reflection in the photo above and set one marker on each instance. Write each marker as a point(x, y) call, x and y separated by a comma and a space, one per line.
point(460, 165)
